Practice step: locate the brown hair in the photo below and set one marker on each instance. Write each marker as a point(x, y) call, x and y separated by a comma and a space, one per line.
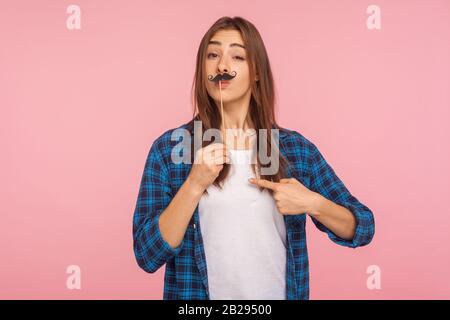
point(262, 101)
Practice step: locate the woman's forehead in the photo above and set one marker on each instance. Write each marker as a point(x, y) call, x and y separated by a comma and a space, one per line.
point(231, 38)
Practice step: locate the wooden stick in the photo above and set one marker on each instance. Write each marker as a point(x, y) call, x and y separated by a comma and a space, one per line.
point(221, 111)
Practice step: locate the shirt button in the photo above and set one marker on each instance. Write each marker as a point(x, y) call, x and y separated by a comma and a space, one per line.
point(193, 225)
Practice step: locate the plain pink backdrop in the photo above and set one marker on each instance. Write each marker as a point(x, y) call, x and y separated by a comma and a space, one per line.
point(81, 108)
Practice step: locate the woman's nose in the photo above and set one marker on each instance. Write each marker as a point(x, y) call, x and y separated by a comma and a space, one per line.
point(223, 70)
point(222, 66)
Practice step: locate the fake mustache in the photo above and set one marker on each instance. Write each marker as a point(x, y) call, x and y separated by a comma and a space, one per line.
point(222, 77)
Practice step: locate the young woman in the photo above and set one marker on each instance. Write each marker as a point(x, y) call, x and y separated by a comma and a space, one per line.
point(225, 227)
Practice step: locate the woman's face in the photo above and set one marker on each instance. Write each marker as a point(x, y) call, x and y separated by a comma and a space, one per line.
point(225, 53)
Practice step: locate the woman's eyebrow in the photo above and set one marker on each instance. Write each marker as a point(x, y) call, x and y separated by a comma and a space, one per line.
point(231, 45)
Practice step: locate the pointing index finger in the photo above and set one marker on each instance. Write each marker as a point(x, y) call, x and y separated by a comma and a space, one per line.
point(264, 183)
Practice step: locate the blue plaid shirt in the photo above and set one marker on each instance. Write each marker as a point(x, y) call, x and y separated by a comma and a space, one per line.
point(186, 274)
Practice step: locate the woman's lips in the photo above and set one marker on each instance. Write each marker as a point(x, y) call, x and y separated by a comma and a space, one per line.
point(224, 84)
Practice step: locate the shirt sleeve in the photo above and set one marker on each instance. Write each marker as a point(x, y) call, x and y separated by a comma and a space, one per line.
point(325, 181)
point(150, 249)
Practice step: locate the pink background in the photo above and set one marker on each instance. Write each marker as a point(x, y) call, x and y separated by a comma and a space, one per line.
point(80, 109)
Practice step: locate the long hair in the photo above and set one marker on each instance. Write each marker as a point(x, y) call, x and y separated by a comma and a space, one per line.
point(262, 101)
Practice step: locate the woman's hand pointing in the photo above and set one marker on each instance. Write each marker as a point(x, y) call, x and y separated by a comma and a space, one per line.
point(291, 196)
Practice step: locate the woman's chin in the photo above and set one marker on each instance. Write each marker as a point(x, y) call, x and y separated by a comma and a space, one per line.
point(225, 99)
point(226, 103)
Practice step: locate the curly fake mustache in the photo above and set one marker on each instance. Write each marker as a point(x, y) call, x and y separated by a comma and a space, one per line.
point(222, 77)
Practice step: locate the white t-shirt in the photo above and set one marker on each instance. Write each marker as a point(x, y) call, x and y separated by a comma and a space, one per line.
point(244, 237)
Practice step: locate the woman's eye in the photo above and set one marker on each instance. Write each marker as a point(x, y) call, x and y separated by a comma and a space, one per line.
point(213, 55)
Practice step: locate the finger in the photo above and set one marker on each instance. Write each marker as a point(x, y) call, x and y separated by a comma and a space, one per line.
point(264, 183)
point(221, 160)
point(215, 146)
point(218, 160)
point(210, 149)
point(218, 154)
point(218, 151)
point(285, 180)
point(212, 154)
